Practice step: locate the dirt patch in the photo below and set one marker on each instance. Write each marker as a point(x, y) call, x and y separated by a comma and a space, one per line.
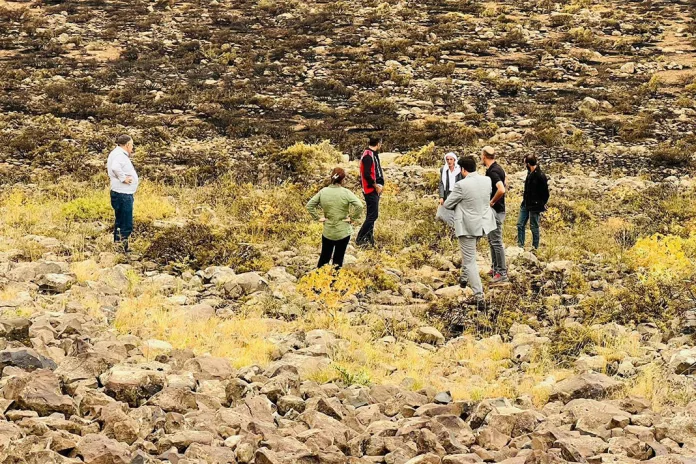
point(98, 51)
point(15, 5)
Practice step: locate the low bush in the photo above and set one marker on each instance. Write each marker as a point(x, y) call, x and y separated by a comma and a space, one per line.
point(664, 258)
point(91, 208)
point(330, 287)
point(425, 156)
point(302, 160)
point(198, 246)
point(678, 154)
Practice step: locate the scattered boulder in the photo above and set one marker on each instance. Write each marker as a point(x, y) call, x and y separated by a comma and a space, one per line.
point(588, 385)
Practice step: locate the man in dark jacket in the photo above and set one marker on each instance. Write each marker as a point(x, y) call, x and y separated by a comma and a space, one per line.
point(536, 195)
point(372, 180)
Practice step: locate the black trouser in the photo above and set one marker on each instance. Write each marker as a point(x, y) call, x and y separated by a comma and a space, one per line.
point(367, 231)
point(335, 248)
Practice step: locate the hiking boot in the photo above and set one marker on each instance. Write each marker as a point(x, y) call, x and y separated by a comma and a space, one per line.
point(480, 304)
point(463, 282)
point(500, 279)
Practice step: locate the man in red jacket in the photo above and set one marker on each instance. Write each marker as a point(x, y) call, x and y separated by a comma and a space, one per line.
point(372, 179)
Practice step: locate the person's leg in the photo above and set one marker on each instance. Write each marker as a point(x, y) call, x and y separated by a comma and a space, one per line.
point(126, 219)
point(366, 233)
point(495, 240)
point(534, 219)
point(467, 245)
point(340, 252)
point(376, 216)
point(521, 225)
point(118, 213)
point(327, 249)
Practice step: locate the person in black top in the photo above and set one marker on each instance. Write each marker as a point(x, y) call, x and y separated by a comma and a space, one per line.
point(495, 238)
point(534, 199)
point(372, 180)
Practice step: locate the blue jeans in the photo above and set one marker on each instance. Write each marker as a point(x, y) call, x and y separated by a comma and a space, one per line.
point(533, 218)
point(122, 203)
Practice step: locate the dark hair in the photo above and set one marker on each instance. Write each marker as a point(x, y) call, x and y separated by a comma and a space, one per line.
point(530, 160)
point(122, 140)
point(337, 175)
point(467, 163)
point(375, 140)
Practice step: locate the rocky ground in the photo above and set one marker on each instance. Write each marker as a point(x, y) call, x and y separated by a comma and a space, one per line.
point(214, 342)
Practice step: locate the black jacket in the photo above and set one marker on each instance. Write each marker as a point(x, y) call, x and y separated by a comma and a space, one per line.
point(536, 191)
point(444, 190)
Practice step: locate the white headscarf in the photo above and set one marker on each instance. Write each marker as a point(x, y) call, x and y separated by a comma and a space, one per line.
point(446, 171)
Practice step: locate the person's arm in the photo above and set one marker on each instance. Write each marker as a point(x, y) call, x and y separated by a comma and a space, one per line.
point(355, 207)
point(367, 171)
point(455, 196)
point(441, 189)
point(499, 193)
point(545, 189)
point(312, 205)
point(117, 167)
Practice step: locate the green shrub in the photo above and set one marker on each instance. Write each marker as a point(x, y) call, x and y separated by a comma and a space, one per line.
point(92, 208)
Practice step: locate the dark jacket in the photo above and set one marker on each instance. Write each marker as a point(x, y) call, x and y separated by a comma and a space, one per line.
point(536, 191)
point(444, 190)
point(371, 173)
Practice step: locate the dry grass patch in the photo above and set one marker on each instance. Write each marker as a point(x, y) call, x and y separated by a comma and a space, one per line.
point(241, 339)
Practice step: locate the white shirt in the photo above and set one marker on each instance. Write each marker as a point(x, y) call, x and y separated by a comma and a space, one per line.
point(452, 174)
point(119, 166)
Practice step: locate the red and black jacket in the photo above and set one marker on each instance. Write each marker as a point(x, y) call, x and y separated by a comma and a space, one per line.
point(370, 171)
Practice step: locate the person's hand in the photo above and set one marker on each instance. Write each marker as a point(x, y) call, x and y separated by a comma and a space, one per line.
point(348, 220)
point(128, 180)
point(379, 188)
point(491, 204)
point(442, 201)
point(322, 220)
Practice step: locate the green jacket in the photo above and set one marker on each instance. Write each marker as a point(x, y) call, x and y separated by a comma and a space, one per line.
point(336, 202)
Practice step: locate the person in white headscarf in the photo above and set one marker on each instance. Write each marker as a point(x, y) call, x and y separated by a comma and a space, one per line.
point(450, 174)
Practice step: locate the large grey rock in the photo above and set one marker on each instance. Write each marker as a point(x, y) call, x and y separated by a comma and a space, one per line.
point(98, 449)
point(251, 282)
point(171, 399)
point(588, 385)
point(26, 359)
point(55, 283)
point(209, 368)
point(39, 391)
point(429, 335)
point(578, 449)
point(683, 361)
point(15, 329)
point(132, 384)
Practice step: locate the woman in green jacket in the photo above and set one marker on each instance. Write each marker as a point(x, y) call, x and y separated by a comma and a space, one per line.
point(340, 207)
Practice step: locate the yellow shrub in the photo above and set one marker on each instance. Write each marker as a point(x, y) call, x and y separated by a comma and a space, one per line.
point(329, 287)
point(94, 207)
point(424, 156)
point(664, 258)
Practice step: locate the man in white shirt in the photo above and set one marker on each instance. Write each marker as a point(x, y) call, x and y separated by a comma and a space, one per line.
point(124, 183)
